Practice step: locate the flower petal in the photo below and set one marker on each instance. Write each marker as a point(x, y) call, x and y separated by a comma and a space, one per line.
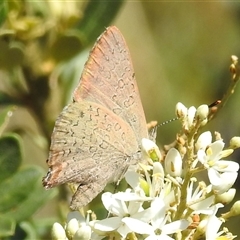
point(76, 215)
point(138, 226)
point(216, 148)
point(114, 205)
point(203, 206)
point(191, 115)
point(159, 208)
point(202, 158)
point(123, 230)
point(173, 163)
point(130, 196)
point(145, 215)
point(221, 182)
point(204, 140)
point(132, 179)
point(134, 207)
point(176, 226)
point(213, 223)
point(108, 224)
point(159, 237)
point(226, 166)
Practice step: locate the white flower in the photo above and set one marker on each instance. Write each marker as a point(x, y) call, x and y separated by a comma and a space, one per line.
point(213, 223)
point(159, 222)
point(130, 216)
point(151, 185)
point(221, 173)
point(210, 225)
point(151, 149)
point(193, 198)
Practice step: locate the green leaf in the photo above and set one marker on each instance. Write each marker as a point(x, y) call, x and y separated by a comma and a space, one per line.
point(10, 155)
point(23, 194)
point(7, 226)
point(16, 189)
point(5, 115)
point(3, 11)
point(44, 225)
point(68, 74)
point(97, 16)
point(5, 99)
point(29, 229)
point(69, 44)
point(12, 54)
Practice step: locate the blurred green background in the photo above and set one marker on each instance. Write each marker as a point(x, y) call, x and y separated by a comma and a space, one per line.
point(180, 52)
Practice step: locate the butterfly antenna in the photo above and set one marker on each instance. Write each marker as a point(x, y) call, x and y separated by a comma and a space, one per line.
point(153, 125)
point(168, 121)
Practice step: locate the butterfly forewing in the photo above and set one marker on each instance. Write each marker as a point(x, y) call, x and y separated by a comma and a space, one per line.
point(108, 78)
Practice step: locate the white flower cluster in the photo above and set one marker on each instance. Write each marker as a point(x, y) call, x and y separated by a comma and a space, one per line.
point(171, 197)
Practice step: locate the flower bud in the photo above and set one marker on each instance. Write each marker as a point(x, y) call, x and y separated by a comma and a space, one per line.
point(181, 110)
point(72, 227)
point(234, 59)
point(173, 163)
point(58, 232)
point(83, 233)
point(204, 122)
point(226, 197)
point(202, 112)
point(225, 153)
point(235, 209)
point(235, 142)
point(191, 116)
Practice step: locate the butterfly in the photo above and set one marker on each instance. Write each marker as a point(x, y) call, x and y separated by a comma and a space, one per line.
point(98, 135)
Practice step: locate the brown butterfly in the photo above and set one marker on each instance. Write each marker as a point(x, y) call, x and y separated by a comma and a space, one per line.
point(98, 135)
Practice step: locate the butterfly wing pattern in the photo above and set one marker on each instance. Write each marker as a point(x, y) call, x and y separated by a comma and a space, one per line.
point(98, 136)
